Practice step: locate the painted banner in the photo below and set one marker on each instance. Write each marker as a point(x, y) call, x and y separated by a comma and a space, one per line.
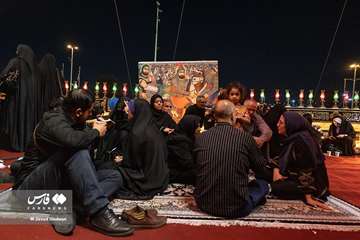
point(179, 82)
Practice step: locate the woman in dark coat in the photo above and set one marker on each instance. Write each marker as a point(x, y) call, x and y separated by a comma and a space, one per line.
point(163, 120)
point(20, 112)
point(114, 142)
point(144, 167)
point(50, 83)
point(300, 172)
point(341, 137)
point(180, 146)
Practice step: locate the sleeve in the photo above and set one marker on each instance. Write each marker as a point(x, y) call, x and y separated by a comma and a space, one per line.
point(61, 133)
point(303, 170)
point(257, 161)
point(264, 129)
point(330, 132)
point(351, 131)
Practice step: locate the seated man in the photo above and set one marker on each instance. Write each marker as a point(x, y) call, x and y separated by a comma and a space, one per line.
point(198, 109)
point(257, 127)
point(341, 136)
point(224, 156)
point(58, 158)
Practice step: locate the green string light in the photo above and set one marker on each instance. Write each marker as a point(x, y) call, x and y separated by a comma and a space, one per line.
point(114, 88)
point(311, 94)
point(287, 93)
point(262, 94)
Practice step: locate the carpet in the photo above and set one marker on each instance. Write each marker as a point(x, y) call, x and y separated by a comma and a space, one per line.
point(344, 178)
point(179, 206)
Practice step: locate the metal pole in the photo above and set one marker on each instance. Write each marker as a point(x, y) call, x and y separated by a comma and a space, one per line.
point(156, 30)
point(71, 67)
point(353, 90)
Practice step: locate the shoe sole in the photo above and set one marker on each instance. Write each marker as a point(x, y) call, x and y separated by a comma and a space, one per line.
point(112, 234)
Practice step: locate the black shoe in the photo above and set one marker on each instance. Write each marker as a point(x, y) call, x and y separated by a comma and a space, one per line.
point(65, 229)
point(108, 223)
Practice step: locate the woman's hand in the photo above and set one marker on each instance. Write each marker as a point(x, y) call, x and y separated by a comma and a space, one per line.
point(277, 175)
point(316, 203)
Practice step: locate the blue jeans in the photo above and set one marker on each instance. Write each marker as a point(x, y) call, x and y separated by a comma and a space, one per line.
point(91, 188)
point(257, 191)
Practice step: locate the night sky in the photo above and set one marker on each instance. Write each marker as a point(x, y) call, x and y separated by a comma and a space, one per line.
point(263, 44)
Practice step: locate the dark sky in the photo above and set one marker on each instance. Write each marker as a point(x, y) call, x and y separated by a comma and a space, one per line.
point(261, 43)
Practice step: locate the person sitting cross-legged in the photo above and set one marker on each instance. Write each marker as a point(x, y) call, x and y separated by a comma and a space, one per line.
point(224, 155)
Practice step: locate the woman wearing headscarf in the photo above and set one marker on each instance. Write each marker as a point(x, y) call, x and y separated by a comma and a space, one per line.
point(163, 120)
point(144, 166)
point(180, 146)
point(341, 137)
point(50, 83)
point(114, 142)
point(20, 112)
point(300, 172)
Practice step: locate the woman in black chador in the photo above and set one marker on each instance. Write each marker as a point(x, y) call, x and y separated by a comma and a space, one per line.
point(300, 171)
point(19, 113)
point(180, 146)
point(144, 166)
point(50, 83)
point(163, 120)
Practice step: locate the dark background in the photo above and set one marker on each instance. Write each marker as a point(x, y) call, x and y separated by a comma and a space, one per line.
point(261, 43)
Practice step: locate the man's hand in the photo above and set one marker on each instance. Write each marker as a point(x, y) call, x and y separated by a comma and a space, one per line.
point(277, 176)
point(168, 130)
point(118, 159)
point(316, 203)
point(2, 96)
point(101, 127)
point(259, 142)
point(341, 135)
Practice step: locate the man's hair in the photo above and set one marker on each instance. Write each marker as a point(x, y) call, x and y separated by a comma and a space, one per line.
point(78, 98)
point(249, 100)
point(224, 109)
point(198, 98)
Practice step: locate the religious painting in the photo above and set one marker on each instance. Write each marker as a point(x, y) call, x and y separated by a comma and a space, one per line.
point(179, 82)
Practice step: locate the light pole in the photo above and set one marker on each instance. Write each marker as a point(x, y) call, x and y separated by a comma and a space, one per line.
point(355, 67)
point(158, 10)
point(72, 48)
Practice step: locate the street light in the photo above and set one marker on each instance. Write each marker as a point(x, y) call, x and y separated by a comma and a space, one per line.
point(355, 66)
point(72, 48)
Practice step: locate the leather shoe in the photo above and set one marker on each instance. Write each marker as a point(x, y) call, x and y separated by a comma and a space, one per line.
point(108, 223)
point(140, 218)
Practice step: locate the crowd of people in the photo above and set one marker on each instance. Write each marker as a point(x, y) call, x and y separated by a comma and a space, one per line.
point(143, 150)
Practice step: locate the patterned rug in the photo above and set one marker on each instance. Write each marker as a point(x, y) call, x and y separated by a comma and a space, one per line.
point(179, 206)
